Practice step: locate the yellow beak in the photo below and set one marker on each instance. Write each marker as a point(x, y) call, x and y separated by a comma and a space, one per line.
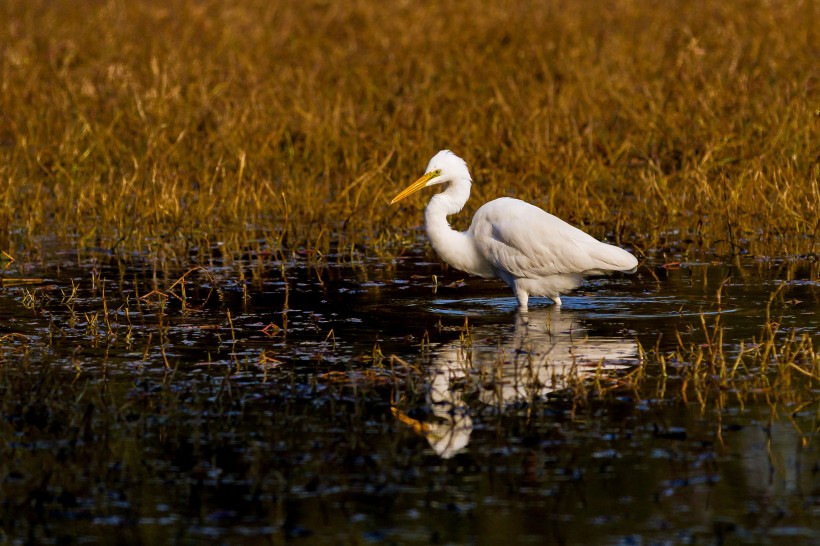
point(416, 186)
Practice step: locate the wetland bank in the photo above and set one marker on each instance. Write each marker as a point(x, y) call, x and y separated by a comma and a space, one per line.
point(214, 329)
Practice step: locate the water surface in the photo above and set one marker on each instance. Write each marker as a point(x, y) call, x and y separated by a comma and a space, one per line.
point(395, 402)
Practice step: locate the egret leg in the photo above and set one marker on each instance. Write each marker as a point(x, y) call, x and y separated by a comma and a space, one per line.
point(522, 297)
point(556, 300)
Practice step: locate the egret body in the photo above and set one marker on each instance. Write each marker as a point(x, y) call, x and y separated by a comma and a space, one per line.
point(534, 252)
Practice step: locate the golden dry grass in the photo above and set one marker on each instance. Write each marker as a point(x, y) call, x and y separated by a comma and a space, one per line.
point(166, 126)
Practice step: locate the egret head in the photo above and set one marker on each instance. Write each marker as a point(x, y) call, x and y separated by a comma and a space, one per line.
point(445, 166)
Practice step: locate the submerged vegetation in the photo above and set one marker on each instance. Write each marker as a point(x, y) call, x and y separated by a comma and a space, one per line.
point(166, 128)
point(213, 326)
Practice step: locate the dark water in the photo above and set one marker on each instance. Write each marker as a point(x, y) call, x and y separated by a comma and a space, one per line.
point(376, 403)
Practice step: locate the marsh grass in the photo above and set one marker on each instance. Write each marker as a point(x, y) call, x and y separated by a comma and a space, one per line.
point(180, 129)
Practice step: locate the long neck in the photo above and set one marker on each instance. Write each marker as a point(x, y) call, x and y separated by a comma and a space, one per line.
point(455, 247)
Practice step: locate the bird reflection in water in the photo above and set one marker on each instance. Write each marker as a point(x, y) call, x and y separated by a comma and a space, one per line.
point(546, 351)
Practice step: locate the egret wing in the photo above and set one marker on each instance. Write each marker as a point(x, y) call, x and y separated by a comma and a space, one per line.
point(526, 241)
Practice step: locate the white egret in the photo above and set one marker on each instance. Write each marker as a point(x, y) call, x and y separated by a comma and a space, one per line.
point(532, 251)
